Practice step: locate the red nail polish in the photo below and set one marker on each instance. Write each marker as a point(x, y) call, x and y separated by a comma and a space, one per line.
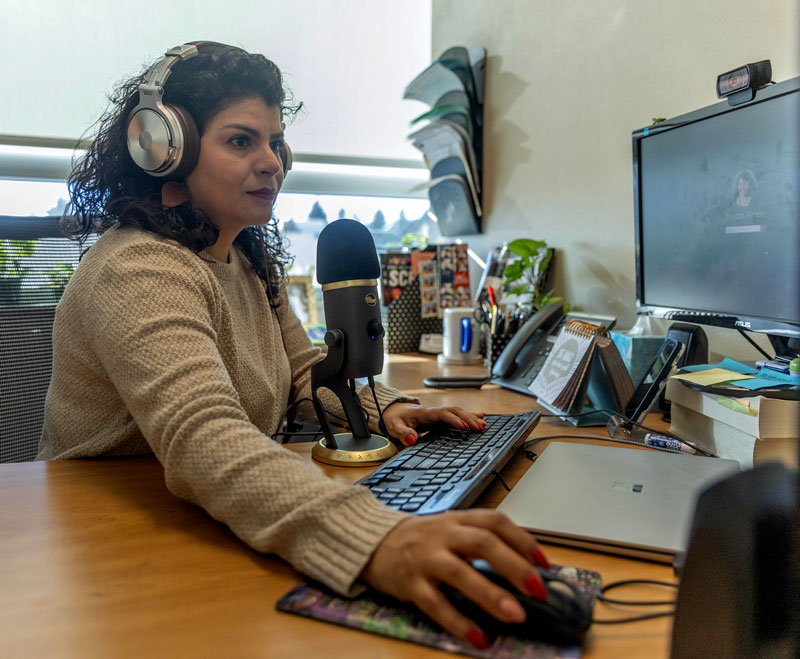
point(535, 586)
point(476, 637)
point(465, 425)
point(540, 559)
point(410, 440)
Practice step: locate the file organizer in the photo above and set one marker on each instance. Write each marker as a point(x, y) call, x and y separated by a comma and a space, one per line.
point(452, 139)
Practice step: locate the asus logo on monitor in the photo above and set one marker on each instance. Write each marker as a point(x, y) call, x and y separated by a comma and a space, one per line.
point(742, 323)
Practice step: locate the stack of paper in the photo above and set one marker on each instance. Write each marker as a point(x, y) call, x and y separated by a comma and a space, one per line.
point(747, 429)
point(451, 140)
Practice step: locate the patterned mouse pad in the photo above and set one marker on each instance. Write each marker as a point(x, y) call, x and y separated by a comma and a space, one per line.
point(379, 614)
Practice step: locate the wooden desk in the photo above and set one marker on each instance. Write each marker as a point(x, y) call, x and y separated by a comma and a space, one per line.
point(98, 559)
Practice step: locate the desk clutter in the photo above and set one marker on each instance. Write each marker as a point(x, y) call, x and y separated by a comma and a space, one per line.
point(730, 421)
point(379, 614)
point(416, 287)
point(583, 371)
point(452, 140)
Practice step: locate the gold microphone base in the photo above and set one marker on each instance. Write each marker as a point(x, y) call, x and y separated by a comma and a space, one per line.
point(352, 452)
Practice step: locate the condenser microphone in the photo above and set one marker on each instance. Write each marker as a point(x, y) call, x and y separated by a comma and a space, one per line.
point(348, 271)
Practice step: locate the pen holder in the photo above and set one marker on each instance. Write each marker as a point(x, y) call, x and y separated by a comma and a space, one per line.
point(495, 344)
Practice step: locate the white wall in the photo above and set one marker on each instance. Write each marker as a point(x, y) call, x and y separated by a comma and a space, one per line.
point(566, 84)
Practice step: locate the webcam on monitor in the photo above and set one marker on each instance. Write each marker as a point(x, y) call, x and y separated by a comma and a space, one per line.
point(740, 85)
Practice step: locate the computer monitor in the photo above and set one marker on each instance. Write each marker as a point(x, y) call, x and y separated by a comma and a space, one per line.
point(717, 210)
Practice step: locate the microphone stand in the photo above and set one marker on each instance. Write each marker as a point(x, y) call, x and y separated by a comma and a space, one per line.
point(360, 447)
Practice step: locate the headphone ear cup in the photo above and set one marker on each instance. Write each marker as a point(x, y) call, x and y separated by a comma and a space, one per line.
point(286, 158)
point(191, 144)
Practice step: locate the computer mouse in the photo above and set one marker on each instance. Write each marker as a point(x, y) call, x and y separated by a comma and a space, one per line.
point(562, 619)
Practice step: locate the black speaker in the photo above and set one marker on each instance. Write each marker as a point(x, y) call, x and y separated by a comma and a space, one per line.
point(695, 351)
point(740, 584)
point(694, 341)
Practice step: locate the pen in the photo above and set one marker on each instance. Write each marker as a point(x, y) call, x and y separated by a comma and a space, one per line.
point(493, 301)
point(773, 365)
point(669, 443)
point(492, 296)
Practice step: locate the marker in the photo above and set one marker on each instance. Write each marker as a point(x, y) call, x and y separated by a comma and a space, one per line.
point(669, 443)
point(794, 367)
point(774, 365)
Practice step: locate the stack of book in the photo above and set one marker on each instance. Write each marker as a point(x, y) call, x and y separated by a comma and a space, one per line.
point(749, 430)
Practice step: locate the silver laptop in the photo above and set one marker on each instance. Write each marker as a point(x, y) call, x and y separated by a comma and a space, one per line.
point(618, 500)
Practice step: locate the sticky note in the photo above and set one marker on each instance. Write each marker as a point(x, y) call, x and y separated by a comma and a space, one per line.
point(712, 376)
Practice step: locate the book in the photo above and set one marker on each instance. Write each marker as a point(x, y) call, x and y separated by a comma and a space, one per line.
point(729, 441)
point(758, 416)
point(583, 352)
point(395, 275)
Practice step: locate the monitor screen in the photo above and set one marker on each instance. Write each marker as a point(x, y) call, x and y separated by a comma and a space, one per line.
point(718, 214)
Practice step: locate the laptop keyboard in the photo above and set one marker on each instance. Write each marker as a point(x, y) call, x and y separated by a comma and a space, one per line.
point(448, 468)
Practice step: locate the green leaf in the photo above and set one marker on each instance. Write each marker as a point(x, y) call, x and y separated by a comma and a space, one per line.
point(525, 247)
point(514, 270)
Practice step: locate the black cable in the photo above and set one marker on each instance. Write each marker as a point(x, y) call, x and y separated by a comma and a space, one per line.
point(627, 582)
point(381, 424)
point(502, 480)
point(647, 616)
point(610, 413)
point(753, 343)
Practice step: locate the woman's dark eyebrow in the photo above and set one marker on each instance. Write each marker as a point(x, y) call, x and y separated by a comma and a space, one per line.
point(253, 131)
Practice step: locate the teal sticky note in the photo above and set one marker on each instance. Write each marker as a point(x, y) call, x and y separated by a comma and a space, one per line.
point(728, 364)
point(783, 378)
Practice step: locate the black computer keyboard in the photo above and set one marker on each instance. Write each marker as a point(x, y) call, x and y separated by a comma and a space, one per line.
point(449, 468)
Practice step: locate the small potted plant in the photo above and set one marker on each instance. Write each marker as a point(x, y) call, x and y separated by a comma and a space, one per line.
point(12, 270)
point(527, 277)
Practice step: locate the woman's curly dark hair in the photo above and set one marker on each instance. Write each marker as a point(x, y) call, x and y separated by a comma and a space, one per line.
point(106, 187)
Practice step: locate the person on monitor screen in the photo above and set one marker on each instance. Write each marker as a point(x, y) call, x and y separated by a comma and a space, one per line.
point(745, 187)
point(175, 337)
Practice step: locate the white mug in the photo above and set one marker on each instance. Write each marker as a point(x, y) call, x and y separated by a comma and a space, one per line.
point(461, 337)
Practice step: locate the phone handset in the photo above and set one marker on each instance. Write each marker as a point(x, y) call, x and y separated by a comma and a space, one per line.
point(544, 319)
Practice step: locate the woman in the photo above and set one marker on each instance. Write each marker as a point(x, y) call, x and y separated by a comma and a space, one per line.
point(175, 337)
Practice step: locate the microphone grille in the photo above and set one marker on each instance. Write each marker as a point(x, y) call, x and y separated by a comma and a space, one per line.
point(346, 251)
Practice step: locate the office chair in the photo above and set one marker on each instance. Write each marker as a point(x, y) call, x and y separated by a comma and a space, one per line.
point(36, 262)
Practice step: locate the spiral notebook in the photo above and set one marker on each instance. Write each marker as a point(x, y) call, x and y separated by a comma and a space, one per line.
point(583, 371)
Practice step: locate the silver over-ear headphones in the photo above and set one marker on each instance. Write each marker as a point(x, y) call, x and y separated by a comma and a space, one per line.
point(163, 139)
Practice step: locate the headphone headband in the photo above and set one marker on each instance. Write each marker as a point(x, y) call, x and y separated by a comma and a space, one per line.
point(163, 139)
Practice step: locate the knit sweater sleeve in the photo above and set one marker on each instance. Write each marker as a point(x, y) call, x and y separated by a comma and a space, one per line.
point(153, 313)
point(303, 354)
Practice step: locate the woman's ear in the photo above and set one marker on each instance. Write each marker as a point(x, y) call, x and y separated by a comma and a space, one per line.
point(173, 193)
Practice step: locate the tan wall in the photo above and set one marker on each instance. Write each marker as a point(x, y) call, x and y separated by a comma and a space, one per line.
point(566, 85)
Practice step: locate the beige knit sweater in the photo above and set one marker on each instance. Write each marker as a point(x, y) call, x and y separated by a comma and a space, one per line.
point(158, 349)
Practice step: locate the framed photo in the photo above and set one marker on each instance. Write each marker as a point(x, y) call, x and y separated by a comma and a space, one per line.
point(301, 298)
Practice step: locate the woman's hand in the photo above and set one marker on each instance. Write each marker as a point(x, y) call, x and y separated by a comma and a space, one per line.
point(402, 419)
point(421, 552)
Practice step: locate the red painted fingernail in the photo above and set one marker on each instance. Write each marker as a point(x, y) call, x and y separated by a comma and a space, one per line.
point(535, 586)
point(482, 426)
point(410, 440)
point(476, 637)
point(540, 559)
point(465, 425)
